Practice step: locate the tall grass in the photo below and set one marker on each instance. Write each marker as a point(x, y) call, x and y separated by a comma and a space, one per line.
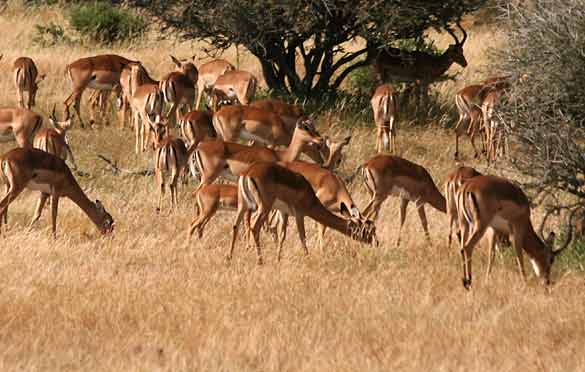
point(145, 299)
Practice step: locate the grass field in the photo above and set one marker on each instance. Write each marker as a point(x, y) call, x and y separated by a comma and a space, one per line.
point(146, 299)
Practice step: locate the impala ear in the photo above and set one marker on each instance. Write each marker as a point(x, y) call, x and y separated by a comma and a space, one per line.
point(176, 61)
point(346, 140)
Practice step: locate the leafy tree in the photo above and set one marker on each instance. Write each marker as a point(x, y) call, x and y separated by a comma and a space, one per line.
point(302, 45)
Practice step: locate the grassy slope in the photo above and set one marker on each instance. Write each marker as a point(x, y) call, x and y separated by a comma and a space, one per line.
point(145, 299)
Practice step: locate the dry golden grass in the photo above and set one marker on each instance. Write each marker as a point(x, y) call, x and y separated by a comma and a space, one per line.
point(144, 299)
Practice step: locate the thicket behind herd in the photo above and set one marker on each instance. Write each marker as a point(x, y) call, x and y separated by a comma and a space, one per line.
point(147, 298)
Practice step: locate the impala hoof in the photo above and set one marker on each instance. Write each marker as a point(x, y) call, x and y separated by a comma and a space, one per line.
point(467, 283)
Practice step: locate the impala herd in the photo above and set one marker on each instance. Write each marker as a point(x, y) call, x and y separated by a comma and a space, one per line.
point(268, 175)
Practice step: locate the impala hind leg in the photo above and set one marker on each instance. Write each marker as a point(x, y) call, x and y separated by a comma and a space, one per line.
point(477, 231)
point(39, 208)
point(257, 222)
point(300, 219)
point(75, 97)
point(239, 217)
point(12, 193)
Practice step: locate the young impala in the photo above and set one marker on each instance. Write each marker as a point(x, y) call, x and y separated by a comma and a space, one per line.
point(26, 79)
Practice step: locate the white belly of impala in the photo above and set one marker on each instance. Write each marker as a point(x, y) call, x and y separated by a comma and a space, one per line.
point(500, 224)
point(42, 187)
point(403, 193)
point(282, 206)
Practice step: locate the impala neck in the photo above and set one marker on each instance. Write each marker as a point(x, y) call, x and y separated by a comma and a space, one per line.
point(293, 151)
point(437, 200)
point(442, 64)
point(78, 197)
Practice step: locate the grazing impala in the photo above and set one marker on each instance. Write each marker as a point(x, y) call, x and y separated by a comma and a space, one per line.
point(329, 189)
point(100, 72)
point(333, 152)
point(489, 204)
point(26, 79)
point(20, 124)
point(385, 110)
point(452, 185)
point(215, 157)
point(238, 86)
point(146, 101)
point(265, 186)
point(178, 88)
point(390, 175)
point(208, 74)
point(38, 170)
point(170, 160)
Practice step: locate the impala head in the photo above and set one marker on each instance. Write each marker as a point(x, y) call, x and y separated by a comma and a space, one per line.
point(106, 224)
point(363, 230)
point(333, 152)
point(63, 125)
point(158, 129)
point(455, 51)
point(544, 258)
point(305, 130)
point(187, 67)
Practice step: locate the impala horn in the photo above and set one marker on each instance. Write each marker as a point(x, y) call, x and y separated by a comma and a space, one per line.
point(569, 233)
point(463, 31)
point(543, 223)
point(53, 116)
point(452, 34)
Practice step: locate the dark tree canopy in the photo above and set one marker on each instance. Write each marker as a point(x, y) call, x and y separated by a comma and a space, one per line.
point(545, 111)
point(300, 43)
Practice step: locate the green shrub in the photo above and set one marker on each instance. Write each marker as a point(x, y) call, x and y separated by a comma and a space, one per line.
point(101, 22)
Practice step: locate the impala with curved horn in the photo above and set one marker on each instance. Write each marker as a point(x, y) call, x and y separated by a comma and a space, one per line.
point(400, 66)
point(489, 204)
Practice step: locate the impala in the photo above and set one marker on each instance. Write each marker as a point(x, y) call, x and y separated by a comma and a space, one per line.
point(471, 124)
point(196, 126)
point(170, 160)
point(329, 189)
point(100, 72)
point(208, 74)
point(239, 86)
point(489, 204)
point(146, 101)
point(54, 141)
point(419, 67)
point(496, 138)
point(215, 157)
point(333, 152)
point(289, 113)
point(385, 110)
point(265, 186)
point(452, 185)
point(178, 88)
point(208, 200)
point(391, 175)
point(26, 79)
point(20, 124)
point(37, 170)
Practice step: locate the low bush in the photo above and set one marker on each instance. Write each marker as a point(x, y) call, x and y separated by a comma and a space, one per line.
point(102, 22)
